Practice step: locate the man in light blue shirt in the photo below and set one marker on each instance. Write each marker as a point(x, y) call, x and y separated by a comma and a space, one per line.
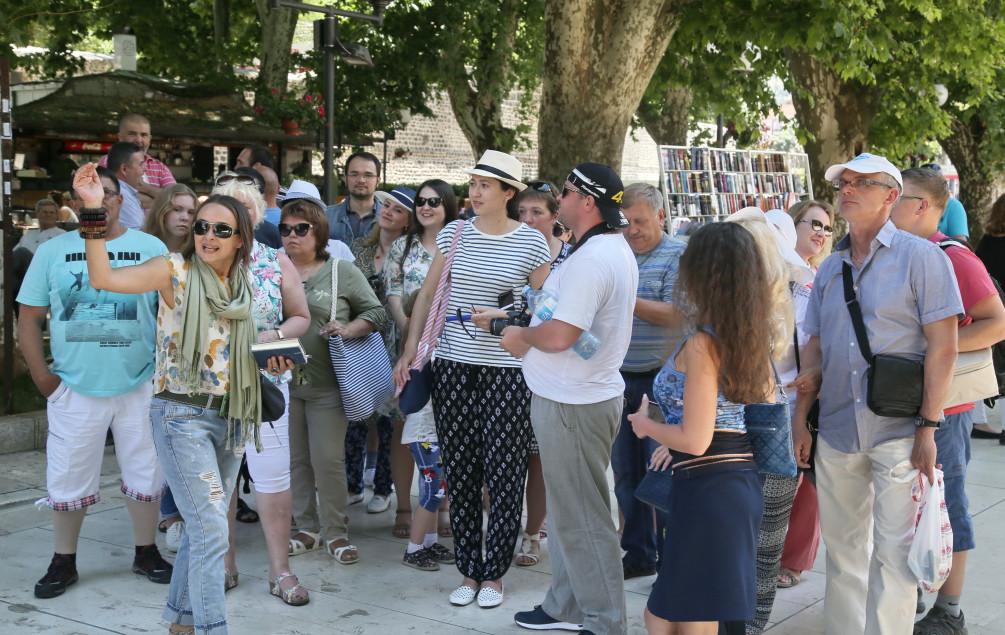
point(655, 324)
point(125, 160)
point(102, 347)
point(910, 304)
point(355, 216)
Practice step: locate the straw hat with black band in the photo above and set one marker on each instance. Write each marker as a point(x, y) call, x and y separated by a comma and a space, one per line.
point(499, 165)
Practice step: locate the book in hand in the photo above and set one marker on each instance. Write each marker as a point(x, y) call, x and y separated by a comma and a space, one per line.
point(290, 348)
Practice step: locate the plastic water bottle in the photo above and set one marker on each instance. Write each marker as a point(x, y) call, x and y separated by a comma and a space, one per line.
point(543, 303)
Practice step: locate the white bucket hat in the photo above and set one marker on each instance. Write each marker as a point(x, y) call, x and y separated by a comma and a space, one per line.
point(499, 165)
point(799, 271)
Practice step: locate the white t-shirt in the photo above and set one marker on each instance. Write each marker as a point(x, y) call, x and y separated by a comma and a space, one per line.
point(32, 238)
point(485, 266)
point(420, 426)
point(596, 289)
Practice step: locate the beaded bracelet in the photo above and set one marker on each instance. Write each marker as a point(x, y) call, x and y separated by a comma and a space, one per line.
point(93, 223)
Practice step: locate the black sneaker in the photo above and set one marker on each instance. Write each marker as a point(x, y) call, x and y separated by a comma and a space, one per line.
point(939, 622)
point(61, 574)
point(441, 554)
point(635, 571)
point(148, 562)
point(538, 620)
point(422, 560)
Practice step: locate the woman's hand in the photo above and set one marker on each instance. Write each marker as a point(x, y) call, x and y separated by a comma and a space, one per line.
point(640, 419)
point(402, 370)
point(87, 185)
point(660, 460)
point(332, 329)
point(278, 364)
point(270, 335)
point(482, 316)
point(513, 342)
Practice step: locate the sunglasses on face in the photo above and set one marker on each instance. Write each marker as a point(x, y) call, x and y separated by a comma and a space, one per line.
point(220, 230)
point(300, 229)
point(432, 201)
point(819, 227)
point(243, 179)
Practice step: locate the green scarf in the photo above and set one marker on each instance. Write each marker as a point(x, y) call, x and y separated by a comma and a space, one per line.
point(206, 295)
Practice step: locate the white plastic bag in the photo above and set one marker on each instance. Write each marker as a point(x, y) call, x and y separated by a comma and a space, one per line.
point(931, 555)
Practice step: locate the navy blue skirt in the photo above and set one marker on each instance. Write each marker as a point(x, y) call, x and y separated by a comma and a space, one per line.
point(708, 571)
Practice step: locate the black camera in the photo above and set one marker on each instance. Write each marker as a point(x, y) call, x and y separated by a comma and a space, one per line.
point(513, 318)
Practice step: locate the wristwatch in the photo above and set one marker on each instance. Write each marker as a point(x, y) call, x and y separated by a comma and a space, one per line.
point(922, 422)
point(279, 332)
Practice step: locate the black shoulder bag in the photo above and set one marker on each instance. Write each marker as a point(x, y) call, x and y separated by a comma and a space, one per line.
point(895, 385)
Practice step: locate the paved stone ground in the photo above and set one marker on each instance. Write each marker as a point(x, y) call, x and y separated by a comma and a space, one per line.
point(377, 595)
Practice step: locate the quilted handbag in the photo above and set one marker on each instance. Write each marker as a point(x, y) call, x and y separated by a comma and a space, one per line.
point(654, 488)
point(362, 368)
point(769, 429)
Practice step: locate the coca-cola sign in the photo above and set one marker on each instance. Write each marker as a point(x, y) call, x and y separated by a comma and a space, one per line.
point(92, 147)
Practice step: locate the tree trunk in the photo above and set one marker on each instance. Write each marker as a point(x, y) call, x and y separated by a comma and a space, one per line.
point(278, 26)
point(964, 145)
point(835, 113)
point(477, 92)
point(670, 125)
point(221, 32)
point(598, 59)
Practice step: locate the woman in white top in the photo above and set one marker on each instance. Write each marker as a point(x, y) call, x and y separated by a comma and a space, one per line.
point(480, 399)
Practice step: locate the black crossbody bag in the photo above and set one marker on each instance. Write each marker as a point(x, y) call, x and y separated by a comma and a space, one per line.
point(895, 385)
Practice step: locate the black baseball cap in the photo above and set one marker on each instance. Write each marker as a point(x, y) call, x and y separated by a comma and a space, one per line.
point(604, 185)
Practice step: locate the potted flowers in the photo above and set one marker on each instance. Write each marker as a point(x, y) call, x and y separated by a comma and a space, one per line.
point(290, 110)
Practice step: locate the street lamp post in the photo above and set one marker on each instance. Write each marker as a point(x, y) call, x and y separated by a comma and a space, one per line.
point(326, 38)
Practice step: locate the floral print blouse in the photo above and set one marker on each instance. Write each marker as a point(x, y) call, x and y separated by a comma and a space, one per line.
point(267, 294)
point(214, 372)
point(405, 277)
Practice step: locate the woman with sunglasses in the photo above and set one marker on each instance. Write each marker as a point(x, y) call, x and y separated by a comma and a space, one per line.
point(405, 270)
point(277, 286)
point(480, 400)
point(317, 419)
point(538, 208)
point(814, 222)
point(208, 399)
point(171, 221)
point(362, 446)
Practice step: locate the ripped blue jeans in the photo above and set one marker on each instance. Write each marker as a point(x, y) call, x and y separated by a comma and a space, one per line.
point(201, 470)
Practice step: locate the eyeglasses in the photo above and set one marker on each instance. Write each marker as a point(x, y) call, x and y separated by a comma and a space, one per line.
point(243, 179)
point(220, 230)
point(433, 201)
point(819, 227)
point(362, 175)
point(110, 194)
point(917, 198)
point(300, 229)
point(858, 184)
point(569, 189)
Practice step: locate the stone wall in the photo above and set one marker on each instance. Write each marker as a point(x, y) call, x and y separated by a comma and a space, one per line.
point(435, 146)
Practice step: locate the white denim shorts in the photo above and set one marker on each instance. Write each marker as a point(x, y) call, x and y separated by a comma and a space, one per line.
point(78, 427)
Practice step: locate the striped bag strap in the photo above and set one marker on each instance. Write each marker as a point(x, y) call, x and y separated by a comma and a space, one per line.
point(436, 318)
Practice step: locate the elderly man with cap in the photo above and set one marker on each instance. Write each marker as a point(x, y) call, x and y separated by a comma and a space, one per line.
point(576, 403)
point(903, 302)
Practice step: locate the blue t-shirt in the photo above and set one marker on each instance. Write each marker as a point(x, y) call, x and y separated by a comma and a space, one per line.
point(102, 342)
point(657, 276)
point(954, 219)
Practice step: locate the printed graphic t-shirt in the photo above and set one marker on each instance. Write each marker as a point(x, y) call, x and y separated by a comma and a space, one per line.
point(102, 342)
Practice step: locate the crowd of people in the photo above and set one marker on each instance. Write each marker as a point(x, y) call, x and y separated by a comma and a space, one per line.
point(506, 326)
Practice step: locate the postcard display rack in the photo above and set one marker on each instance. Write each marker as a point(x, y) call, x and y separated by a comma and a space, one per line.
point(702, 184)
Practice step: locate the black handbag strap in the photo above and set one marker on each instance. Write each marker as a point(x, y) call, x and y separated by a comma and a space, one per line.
point(855, 311)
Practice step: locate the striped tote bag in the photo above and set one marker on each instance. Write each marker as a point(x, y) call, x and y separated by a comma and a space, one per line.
point(362, 368)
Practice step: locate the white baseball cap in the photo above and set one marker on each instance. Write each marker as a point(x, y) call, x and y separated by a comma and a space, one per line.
point(866, 163)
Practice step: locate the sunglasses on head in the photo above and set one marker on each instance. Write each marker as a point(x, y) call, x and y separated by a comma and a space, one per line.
point(300, 229)
point(432, 201)
point(220, 230)
point(243, 179)
point(541, 186)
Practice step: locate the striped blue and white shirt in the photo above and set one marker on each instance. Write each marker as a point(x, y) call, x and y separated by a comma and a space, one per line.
point(658, 269)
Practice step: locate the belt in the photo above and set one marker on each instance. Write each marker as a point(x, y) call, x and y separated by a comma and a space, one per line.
point(642, 373)
point(200, 400)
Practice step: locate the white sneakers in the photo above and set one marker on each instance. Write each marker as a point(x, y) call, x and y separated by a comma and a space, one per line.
point(489, 598)
point(354, 498)
point(172, 539)
point(378, 504)
point(463, 595)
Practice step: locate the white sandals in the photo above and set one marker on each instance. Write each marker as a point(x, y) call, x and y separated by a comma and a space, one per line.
point(297, 547)
point(530, 550)
point(344, 554)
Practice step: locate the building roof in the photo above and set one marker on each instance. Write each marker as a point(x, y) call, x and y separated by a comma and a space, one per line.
point(92, 105)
